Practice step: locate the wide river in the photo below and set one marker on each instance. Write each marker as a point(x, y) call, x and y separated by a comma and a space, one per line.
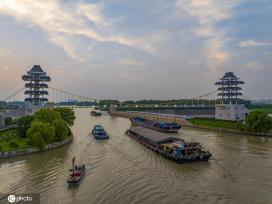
point(120, 170)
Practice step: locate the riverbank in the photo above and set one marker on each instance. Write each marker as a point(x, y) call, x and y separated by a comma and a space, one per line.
point(226, 130)
point(11, 140)
point(267, 108)
point(222, 126)
point(31, 150)
point(215, 123)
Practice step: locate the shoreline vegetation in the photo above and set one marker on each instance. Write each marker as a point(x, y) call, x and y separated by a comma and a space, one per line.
point(256, 123)
point(32, 150)
point(45, 127)
point(213, 123)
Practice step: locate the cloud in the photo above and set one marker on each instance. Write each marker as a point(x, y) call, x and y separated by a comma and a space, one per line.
point(4, 67)
point(221, 56)
point(62, 23)
point(68, 45)
point(253, 43)
point(94, 13)
point(254, 65)
point(130, 62)
point(3, 52)
point(207, 14)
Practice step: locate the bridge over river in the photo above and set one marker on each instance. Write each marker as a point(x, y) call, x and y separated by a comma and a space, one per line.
point(120, 170)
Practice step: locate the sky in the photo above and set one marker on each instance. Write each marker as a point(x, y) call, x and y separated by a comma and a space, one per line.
point(144, 49)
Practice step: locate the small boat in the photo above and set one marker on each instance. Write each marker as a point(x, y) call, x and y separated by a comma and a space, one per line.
point(78, 172)
point(96, 113)
point(99, 132)
point(172, 148)
point(158, 126)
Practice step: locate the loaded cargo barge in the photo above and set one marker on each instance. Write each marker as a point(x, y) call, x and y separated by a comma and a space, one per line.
point(158, 126)
point(172, 148)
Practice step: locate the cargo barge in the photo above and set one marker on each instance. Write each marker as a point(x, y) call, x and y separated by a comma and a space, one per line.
point(158, 126)
point(99, 132)
point(172, 148)
point(96, 113)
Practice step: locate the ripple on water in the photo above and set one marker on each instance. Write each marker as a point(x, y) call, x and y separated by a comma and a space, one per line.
point(120, 170)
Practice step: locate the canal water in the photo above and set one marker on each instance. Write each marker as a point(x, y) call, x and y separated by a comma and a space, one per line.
point(120, 170)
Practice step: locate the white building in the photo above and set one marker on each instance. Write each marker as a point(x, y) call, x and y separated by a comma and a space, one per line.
point(230, 90)
point(234, 112)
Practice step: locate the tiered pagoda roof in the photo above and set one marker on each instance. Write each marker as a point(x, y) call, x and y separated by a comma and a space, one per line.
point(36, 83)
point(229, 89)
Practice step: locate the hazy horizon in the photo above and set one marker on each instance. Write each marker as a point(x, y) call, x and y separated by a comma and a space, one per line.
point(132, 50)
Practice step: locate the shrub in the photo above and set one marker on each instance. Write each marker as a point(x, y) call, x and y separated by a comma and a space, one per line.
point(258, 122)
point(24, 123)
point(8, 121)
point(13, 144)
point(29, 143)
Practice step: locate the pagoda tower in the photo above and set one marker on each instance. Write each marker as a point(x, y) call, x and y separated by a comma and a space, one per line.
point(230, 93)
point(229, 89)
point(36, 86)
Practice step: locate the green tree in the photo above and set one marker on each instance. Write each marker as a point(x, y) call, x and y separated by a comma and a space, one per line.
point(67, 114)
point(8, 121)
point(258, 122)
point(23, 124)
point(41, 133)
point(37, 140)
point(47, 115)
point(61, 129)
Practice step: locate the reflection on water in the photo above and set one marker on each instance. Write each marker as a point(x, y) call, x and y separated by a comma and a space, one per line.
point(120, 170)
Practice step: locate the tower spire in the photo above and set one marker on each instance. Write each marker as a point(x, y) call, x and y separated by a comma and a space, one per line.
point(229, 89)
point(36, 85)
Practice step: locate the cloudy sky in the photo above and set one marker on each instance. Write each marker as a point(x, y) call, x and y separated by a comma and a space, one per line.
point(127, 49)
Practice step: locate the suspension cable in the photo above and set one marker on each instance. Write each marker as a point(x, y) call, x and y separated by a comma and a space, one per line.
point(207, 94)
point(14, 94)
point(71, 94)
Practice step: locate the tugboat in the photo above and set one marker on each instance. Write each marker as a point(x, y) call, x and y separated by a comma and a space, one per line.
point(96, 113)
point(99, 132)
point(78, 172)
point(158, 126)
point(172, 148)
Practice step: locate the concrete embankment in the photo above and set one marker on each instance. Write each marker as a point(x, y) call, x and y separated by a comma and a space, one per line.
point(182, 121)
point(154, 117)
point(20, 152)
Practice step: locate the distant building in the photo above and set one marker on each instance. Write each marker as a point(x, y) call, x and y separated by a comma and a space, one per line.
point(230, 93)
point(113, 108)
point(36, 86)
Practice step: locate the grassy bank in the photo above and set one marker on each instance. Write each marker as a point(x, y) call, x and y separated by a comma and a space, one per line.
point(267, 110)
point(215, 123)
point(45, 127)
point(11, 140)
